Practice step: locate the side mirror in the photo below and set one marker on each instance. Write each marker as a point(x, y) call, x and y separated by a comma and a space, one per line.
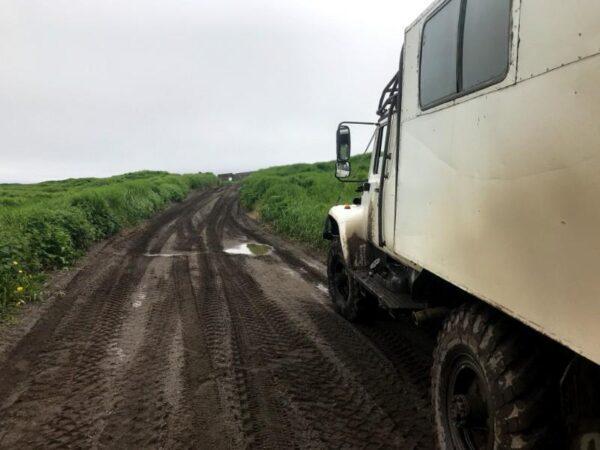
point(342, 169)
point(343, 143)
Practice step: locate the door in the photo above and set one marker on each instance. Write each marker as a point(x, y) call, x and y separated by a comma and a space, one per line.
point(387, 187)
point(374, 183)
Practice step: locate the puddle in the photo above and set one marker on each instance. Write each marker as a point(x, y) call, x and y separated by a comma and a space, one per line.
point(250, 249)
point(312, 264)
point(291, 272)
point(170, 255)
point(323, 288)
point(138, 301)
point(117, 351)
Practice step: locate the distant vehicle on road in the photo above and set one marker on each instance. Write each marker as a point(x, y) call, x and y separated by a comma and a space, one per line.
point(230, 177)
point(480, 211)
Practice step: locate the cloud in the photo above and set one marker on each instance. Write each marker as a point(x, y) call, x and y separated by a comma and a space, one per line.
point(98, 87)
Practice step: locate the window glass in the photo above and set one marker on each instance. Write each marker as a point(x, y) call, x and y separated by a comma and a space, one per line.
point(486, 41)
point(381, 140)
point(439, 54)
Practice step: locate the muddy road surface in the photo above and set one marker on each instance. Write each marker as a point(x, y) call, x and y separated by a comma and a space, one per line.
point(177, 335)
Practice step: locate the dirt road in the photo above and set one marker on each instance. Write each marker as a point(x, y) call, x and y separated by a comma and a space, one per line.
point(161, 338)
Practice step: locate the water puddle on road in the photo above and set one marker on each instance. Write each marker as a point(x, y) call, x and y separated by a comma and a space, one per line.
point(323, 288)
point(250, 249)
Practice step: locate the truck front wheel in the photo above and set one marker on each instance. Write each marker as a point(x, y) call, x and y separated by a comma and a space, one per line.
point(343, 289)
point(488, 388)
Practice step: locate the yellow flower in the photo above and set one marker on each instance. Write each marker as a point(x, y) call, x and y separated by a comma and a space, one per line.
point(20, 289)
point(15, 263)
point(20, 271)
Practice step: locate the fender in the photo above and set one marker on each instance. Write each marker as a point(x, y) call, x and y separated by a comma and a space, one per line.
point(348, 222)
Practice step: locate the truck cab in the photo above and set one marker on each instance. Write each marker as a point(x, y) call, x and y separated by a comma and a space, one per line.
point(479, 212)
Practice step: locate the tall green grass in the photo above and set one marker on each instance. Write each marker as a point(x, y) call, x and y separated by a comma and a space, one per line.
point(295, 199)
point(48, 225)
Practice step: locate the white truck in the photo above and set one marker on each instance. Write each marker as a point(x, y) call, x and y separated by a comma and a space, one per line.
point(482, 210)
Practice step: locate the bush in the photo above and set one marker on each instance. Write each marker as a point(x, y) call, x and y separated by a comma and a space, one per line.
point(295, 199)
point(97, 212)
point(49, 225)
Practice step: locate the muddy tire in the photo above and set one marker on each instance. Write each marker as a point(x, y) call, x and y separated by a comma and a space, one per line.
point(488, 385)
point(343, 290)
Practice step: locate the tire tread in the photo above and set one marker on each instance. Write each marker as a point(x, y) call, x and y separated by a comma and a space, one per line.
point(512, 364)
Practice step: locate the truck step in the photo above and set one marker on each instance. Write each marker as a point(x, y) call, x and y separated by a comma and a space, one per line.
point(387, 298)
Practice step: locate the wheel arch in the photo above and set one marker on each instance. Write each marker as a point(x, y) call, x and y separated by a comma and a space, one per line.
point(348, 224)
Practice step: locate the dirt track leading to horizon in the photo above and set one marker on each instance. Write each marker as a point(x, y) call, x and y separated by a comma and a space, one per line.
point(160, 338)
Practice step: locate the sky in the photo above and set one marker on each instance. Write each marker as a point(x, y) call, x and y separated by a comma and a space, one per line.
point(103, 87)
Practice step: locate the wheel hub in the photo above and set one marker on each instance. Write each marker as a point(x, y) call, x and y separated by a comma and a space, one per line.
point(339, 280)
point(460, 408)
point(467, 404)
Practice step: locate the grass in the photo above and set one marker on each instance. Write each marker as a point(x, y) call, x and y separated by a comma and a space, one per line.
point(295, 199)
point(47, 226)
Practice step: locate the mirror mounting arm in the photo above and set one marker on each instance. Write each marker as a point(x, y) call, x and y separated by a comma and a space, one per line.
point(357, 123)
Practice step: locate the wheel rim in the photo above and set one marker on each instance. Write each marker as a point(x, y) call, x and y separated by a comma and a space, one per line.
point(467, 404)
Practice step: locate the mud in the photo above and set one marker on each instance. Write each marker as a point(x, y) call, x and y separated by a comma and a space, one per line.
point(160, 338)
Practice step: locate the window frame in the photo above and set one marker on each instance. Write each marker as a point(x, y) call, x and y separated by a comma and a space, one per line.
point(380, 138)
point(459, 64)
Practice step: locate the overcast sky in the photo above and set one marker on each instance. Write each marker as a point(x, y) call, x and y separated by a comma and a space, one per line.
point(101, 87)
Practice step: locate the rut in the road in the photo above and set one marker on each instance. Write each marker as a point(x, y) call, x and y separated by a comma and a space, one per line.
point(164, 340)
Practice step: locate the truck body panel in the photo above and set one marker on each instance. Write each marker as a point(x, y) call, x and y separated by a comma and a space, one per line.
point(498, 191)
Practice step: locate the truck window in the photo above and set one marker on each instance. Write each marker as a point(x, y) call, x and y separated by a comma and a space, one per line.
point(381, 140)
point(439, 50)
point(486, 42)
point(465, 47)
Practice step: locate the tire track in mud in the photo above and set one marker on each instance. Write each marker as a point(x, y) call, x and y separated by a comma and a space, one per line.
point(149, 391)
point(375, 386)
point(63, 393)
point(406, 403)
point(243, 396)
point(163, 340)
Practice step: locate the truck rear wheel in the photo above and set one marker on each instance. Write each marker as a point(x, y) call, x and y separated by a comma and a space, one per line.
point(488, 387)
point(343, 289)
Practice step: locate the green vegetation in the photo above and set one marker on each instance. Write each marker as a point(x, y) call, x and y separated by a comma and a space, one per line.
point(295, 199)
point(48, 225)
